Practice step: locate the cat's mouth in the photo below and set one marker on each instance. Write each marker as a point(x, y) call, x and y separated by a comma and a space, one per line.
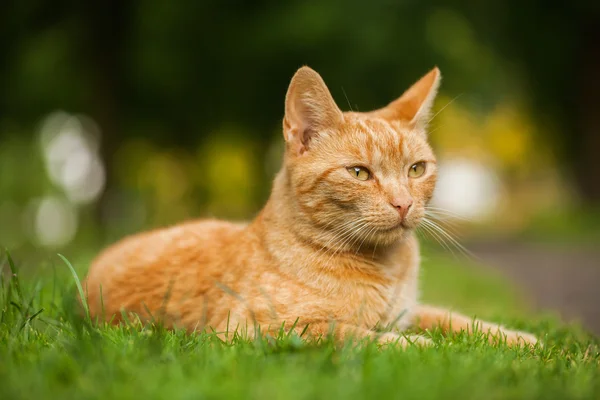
point(400, 225)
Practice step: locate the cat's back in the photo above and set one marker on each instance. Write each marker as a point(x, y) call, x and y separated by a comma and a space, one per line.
point(177, 258)
point(169, 245)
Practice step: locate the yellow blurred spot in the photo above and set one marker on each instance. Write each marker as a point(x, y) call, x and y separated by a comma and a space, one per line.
point(509, 136)
point(456, 131)
point(227, 168)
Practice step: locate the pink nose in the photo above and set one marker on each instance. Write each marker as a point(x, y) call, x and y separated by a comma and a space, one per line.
point(402, 205)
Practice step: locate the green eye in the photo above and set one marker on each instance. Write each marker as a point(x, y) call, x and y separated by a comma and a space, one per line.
point(417, 170)
point(360, 173)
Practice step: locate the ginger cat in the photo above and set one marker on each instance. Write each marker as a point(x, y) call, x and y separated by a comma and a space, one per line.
point(333, 249)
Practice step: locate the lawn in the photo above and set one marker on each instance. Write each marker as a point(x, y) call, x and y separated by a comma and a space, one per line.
point(48, 351)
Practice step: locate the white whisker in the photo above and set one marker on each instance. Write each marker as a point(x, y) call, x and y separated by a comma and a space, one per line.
point(432, 233)
point(443, 108)
point(368, 234)
point(447, 236)
point(445, 213)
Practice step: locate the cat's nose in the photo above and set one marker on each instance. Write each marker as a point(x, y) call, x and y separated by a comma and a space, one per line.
point(402, 204)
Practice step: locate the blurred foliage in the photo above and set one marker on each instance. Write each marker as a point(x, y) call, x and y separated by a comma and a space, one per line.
point(188, 97)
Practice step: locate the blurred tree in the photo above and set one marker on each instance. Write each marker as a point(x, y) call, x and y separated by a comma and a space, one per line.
point(173, 72)
point(557, 46)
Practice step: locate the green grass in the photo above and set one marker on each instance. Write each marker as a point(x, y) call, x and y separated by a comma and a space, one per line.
point(48, 351)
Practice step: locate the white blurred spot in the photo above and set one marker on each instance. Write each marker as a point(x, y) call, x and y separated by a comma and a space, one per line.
point(466, 188)
point(70, 146)
point(55, 222)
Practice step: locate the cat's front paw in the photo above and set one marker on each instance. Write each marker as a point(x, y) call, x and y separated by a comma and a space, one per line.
point(388, 338)
point(517, 338)
point(418, 340)
point(393, 339)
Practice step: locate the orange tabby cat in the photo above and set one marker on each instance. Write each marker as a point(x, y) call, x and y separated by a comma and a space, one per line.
point(333, 249)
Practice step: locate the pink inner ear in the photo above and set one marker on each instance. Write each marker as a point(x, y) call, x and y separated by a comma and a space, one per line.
point(295, 137)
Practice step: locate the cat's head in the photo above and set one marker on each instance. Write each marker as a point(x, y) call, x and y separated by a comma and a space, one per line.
point(370, 173)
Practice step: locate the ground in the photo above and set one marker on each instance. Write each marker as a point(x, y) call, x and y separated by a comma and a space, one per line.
point(48, 351)
point(554, 276)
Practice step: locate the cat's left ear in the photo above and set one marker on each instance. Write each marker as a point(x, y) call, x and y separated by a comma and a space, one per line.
point(414, 106)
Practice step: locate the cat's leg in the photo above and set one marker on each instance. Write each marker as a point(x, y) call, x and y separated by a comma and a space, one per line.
point(340, 331)
point(428, 317)
point(344, 331)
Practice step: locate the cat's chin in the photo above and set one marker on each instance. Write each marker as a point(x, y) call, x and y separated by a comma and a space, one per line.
point(391, 235)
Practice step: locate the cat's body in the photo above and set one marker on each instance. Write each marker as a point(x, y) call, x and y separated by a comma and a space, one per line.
point(333, 248)
point(231, 279)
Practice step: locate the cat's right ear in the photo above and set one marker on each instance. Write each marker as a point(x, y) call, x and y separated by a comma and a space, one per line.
point(309, 109)
point(414, 106)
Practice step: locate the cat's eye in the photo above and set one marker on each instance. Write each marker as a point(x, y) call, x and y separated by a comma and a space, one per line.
point(416, 170)
point(360, 173)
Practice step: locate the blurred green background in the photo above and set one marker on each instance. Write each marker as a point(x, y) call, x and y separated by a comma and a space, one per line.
point(117, 116)
point(120, 115)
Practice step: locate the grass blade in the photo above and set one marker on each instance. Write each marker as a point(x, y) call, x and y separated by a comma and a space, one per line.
point(14, 277)
point(79, 288)
point(31, 318)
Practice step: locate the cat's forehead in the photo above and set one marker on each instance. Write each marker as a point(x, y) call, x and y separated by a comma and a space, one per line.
point(380, 141)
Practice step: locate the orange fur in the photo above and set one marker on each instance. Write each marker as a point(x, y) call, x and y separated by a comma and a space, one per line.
point(328, 251)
